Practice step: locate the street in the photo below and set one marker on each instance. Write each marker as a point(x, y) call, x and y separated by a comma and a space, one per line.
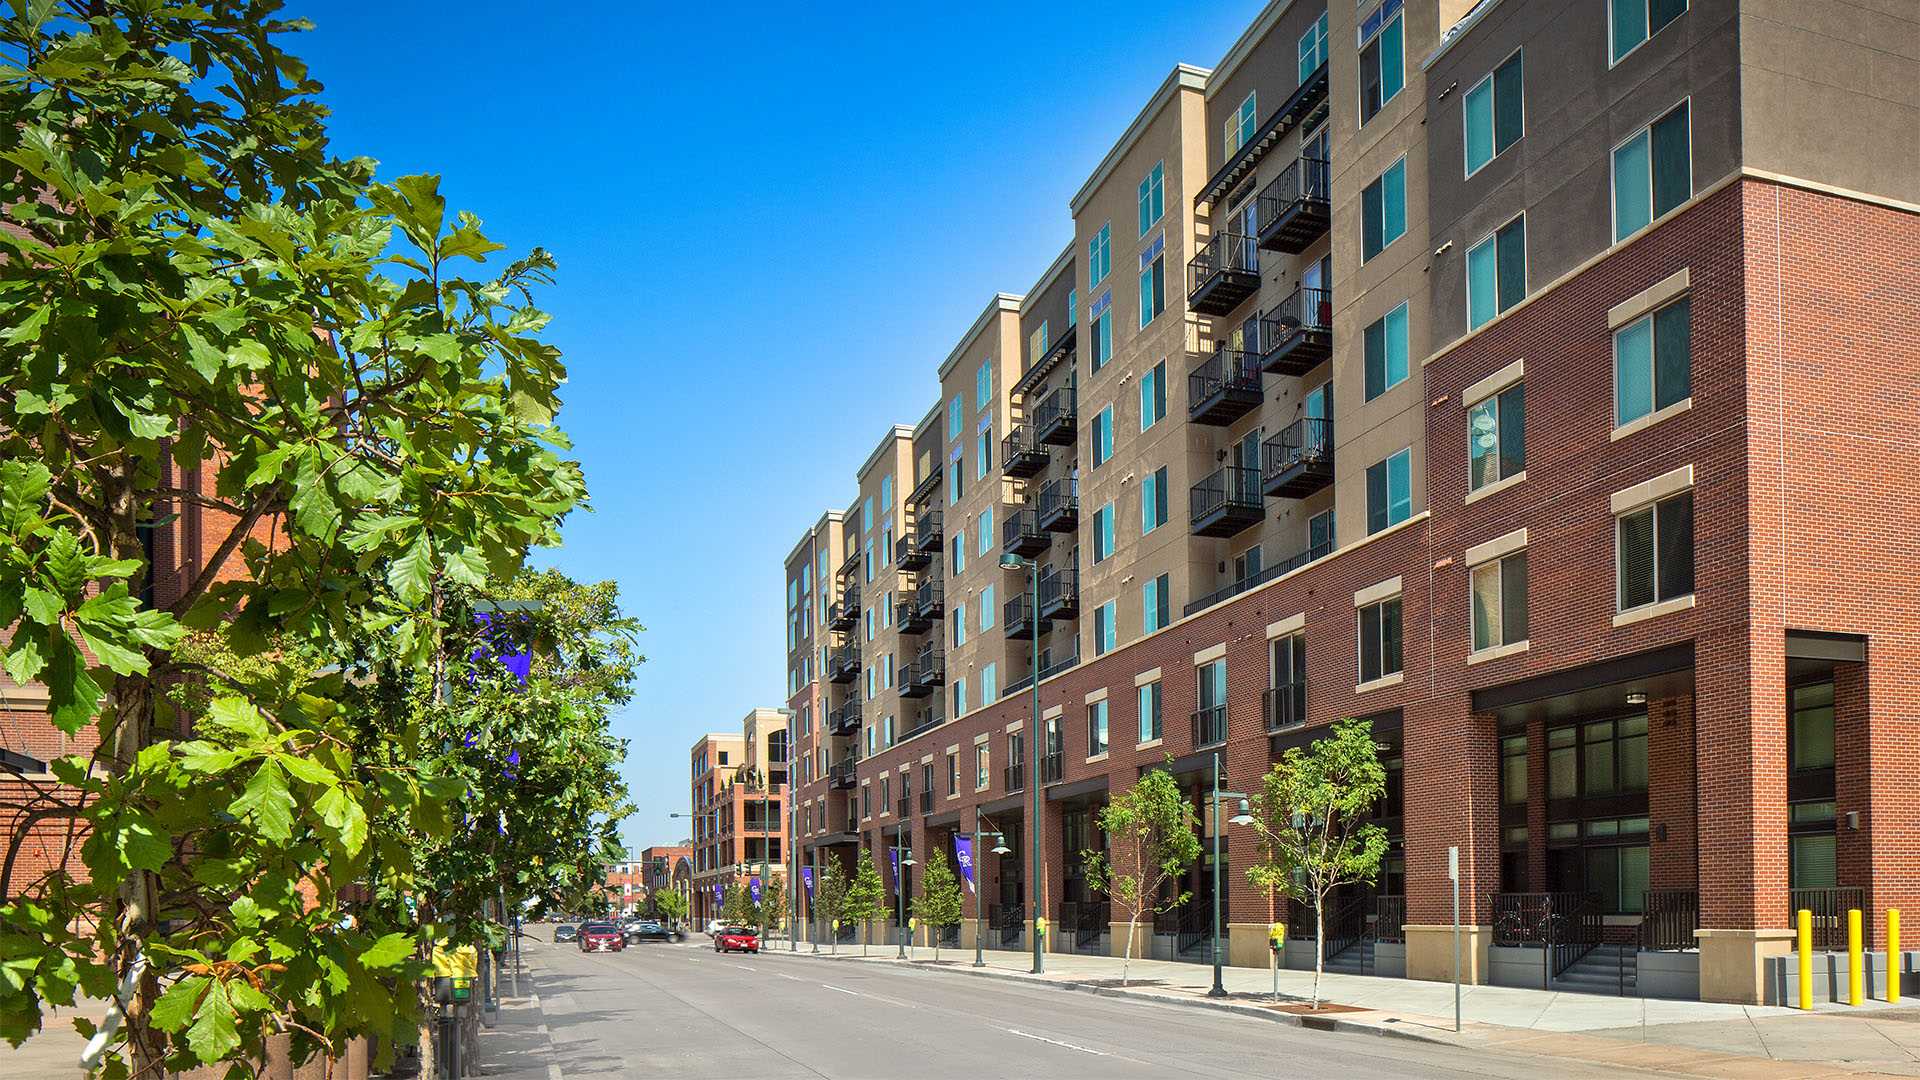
point(681, 1010)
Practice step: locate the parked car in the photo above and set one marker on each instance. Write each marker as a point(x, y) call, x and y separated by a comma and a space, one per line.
point(647, 929)
point(601, 937)
point(713, 926)
point(736, 939)
point(564, 933)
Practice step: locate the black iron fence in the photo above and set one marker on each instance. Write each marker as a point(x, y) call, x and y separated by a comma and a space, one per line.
point(1390, 919)
point(1668, 920)
point(1230, 486)
point(1567, 925)
point(1829, 908)
point(1210, 725)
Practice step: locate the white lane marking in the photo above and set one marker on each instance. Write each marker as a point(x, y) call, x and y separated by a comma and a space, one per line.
point(1055, 1042)
point(844, 990)
point(553, 1072)
point(788, 977)
point(746, 967)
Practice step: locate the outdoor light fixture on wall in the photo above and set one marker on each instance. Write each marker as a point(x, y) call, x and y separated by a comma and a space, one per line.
point(1636, 697)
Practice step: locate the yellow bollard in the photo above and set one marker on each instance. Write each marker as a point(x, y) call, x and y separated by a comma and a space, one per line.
point(1856, 984)
point(1893, 956)
point(1805, 926)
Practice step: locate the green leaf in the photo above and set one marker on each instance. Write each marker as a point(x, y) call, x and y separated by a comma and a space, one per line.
point(141, 842)
point(388, 952)
point(73, 697)
point(411, 573)
point(206, 359)
point(307, 770)
point(345, 817)
point(176, 1007)
point(26, 659)
point(214, 1033)
point(238, 715)
point(268, 802)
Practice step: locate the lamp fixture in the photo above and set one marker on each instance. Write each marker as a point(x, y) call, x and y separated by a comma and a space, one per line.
point(1243, 817)
point(1636, 697)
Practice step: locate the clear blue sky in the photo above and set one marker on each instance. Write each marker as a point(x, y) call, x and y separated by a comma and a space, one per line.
point(771, 226)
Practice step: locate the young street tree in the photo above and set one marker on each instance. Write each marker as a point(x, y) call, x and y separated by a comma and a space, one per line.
point(1310, 814)
point(938, 905)
point(830, 900)
point(866, 898)
point(739, 908)
point(671, 906)
point(1151, 828)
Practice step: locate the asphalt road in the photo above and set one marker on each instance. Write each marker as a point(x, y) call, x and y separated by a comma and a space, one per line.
point(661, 1010)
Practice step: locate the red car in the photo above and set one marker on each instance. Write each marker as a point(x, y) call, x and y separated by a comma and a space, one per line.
point(736, 938)
point(602, 937)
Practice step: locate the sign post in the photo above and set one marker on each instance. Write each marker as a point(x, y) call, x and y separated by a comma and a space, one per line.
point(1453, 872)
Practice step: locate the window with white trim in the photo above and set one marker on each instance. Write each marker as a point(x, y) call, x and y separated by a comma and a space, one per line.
point(1496, 437)
point(1379, 639)
point(1383, 59)
point(1655, 552)
point(1493, 114)
point(1631, 22)
point(1500, 602)
point(1497, 273)
point(1313, 47)
point(1652, 171)
point(1653, 362)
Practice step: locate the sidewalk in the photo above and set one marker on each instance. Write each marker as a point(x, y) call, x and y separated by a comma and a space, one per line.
point(1689, 1037)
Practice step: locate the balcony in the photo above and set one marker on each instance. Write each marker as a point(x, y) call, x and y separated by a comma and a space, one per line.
point(1227, 502)
point(1285, 706)
point(1058, 505)
point(929, 601)
point(926, 532)
point(1210, 726)
point(844, 665)
point(1299, 460)
point(1224, 388)
point(927, 722)
point(903, 806)
point(845, 720)
point(1224, 274)
point(844, 614)
point(1051, 766)
point(926, 802)
point(1021, 534)
point(1014, 776)
point(1020, 453)
point(923, 677)
point(840, 776)
point(1294, 210)
point(908, 555)
point(1056, 418)
point(928, 484)
point(1017, 617)
point(908, 619)
point(1267, 573)
point(1059, 594)
point(1297, 335)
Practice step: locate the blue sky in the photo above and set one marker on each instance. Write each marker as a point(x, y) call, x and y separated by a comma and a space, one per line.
point(771, 228)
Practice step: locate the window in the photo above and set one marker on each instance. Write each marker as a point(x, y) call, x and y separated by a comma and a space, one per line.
point(1810, 728)
point(1653, 362)
point(1379, 640)
point(1210, 694)
point(1153, 500)
point(1632, 22)
point(1613, 756)
point(1390, 491)
point(1153, 196)
point(1151, 711)
point(1153, 395)
point(989, 684)
point(1513, 770)
point(866, 559)
point(960, 549)
point(985, 538)
point(1656, 552)
point(886, 493)
point(980, 765)
point(1313, 47)
point(959, 625)
point(1287, 679)
point(959, 698)
point(1384, 346)
point(1497, 273)
point(1652, 172)
point(886, 794)
point(867, 616)
point(1037, 341)
point(983, 452)
point(1102, 436)
point(956, 417)
point(1493, 114)
point(1240, 126)
point(866, 792)
point(1153, 280)
point(986, 608)
point(1102, 334)
point(1500, 602)
point(1383, 62)
point(1156, 606)
point(1616, 863)
point(1100, 254)
point(1103, 628)
point(1383, 210)
point(1097, 728)
point(886, 730)
point(953, 480)
point(983, 385)
point(953, 775)
point(1103, 533)
point(1496, 437)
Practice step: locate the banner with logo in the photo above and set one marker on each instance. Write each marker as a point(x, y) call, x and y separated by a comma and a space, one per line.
point(806, 876)
point(718, 899)
point(963, 854)
point(753, 888)
point(893, 856)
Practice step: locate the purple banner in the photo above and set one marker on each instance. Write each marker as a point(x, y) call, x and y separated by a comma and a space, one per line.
point(893, 857)
point(753, 888)
point(806, 875)
point(963, 853)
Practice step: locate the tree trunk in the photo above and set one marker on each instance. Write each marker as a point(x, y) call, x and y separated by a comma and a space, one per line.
point(1126, 961)
point(1319, 947)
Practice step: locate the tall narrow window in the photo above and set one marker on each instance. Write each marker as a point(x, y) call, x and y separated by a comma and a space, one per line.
point(986, 607)
point(1100, 326)
point(1500, 602)
point(1100, 254)
point(1383, 210)
point(1210, 693)
point(989, 684)
point(1313, 47)
point(986, 532)
point(1240, 126)
point(1156, 605)
point(1653, 362)
point(1153, 280)
point(1153, 395)
point(1497, 273)
point(1153, 500)
point(1102, 436)
point(1652, 172)
point(1383, 63)
point(1097, 728)
point(1496, 437)
point(1379, 640)
point(1383, 345)
point(1103, 533)
point(1287, 681)
point(1656, 552)
point(1151, 702)
point(1493, 114)
point(1390, 491)
point(983, 385)
point(1104, 631)
point(1152, 196)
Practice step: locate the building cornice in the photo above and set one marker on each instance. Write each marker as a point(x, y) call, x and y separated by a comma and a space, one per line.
point(1262, 25)
point(1182, 77)
point(1454, 33)
point(1001, 303)
point(1046, 281)
point(893, 435)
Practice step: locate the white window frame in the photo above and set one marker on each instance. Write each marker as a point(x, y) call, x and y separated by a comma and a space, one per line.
point(1495, 115)
point(1615, 61)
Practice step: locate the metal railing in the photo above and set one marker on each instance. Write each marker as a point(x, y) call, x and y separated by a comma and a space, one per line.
point(1228, 487)
point(1021, 532)
point(1390, 919)
point(1267, 573)
point(1058, 497)
point(1285, 705)
point(1059, 587)
point(1021, 453)
point(926, 531)
point(1057, 408)
point(1566, 925)
point(948, 935)
point(1303, 309)
point(1306, 441)
point(1014, 777)
point(926, 802)
point(1016, 616)
point(1345, 925)
point(1086, 920)
point(929, 599)
point(1226, 369)
point(1226, 252)
point(932, 720)
point(1210, 725)
point(1009, 919)
point(1050, 766)
point(1668, 919)
point(1304, 179)
point(1829, 907)
point(903, 806)
point(1194, 927)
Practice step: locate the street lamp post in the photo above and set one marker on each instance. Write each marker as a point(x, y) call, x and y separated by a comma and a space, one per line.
point(902, 860)
point(1242, 818)
point(1016, 562)
point(979, 898)
point(793, 844)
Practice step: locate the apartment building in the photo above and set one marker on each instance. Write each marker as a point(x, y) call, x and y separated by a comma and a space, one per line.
point(1539, 384)
point(667, 868)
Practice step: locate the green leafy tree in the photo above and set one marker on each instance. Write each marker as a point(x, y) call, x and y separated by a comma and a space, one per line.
point(738, 909)
point(668, 904)
point(830, 899)
point(1153, 837)
point(938, 904)
point(1311, 816)
point(866, 899)
point(195, 287)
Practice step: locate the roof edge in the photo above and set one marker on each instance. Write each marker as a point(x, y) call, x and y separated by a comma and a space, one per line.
point(897, 431)
point(1243, 47)
point(1183, 76)
point(1047, 278)
point(1001, 302)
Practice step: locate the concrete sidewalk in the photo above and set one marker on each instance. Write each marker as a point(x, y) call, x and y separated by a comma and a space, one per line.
point(1699, 1038)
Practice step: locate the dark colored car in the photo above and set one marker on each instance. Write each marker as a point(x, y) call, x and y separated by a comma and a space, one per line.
point(736, 939)
point(647, 930)
point(566, 933)
point(601, 937)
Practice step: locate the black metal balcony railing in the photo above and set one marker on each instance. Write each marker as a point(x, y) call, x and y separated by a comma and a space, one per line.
point(1224, 388)
point(1059, 593)
point(927, 536)
point(1668, 919)
point(843, 614)
point(923, 676)
point(1285, 705)
point(1009, 919)
point(1298, 461)
point(908, 555)
point(1829, 908)
point(1267, 573)
point(903, 806)
point(845, 720)
point(1223, 274)
point(1210, 725)
point(907, 619)
point(1021, 454)
point(1051, 765)
point(1016, 617)
point(1229, 501)
point(1294, 210)
point(1297, 334)
point(1021, 534)
point(926, 723)
point(928, 484)
point(929, 599)
point(1056, 417)
point(1058, 504)
point(843, 666)
point(1048, 668)
point(841, 775)
point(926, 802)
point(1014, 777)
